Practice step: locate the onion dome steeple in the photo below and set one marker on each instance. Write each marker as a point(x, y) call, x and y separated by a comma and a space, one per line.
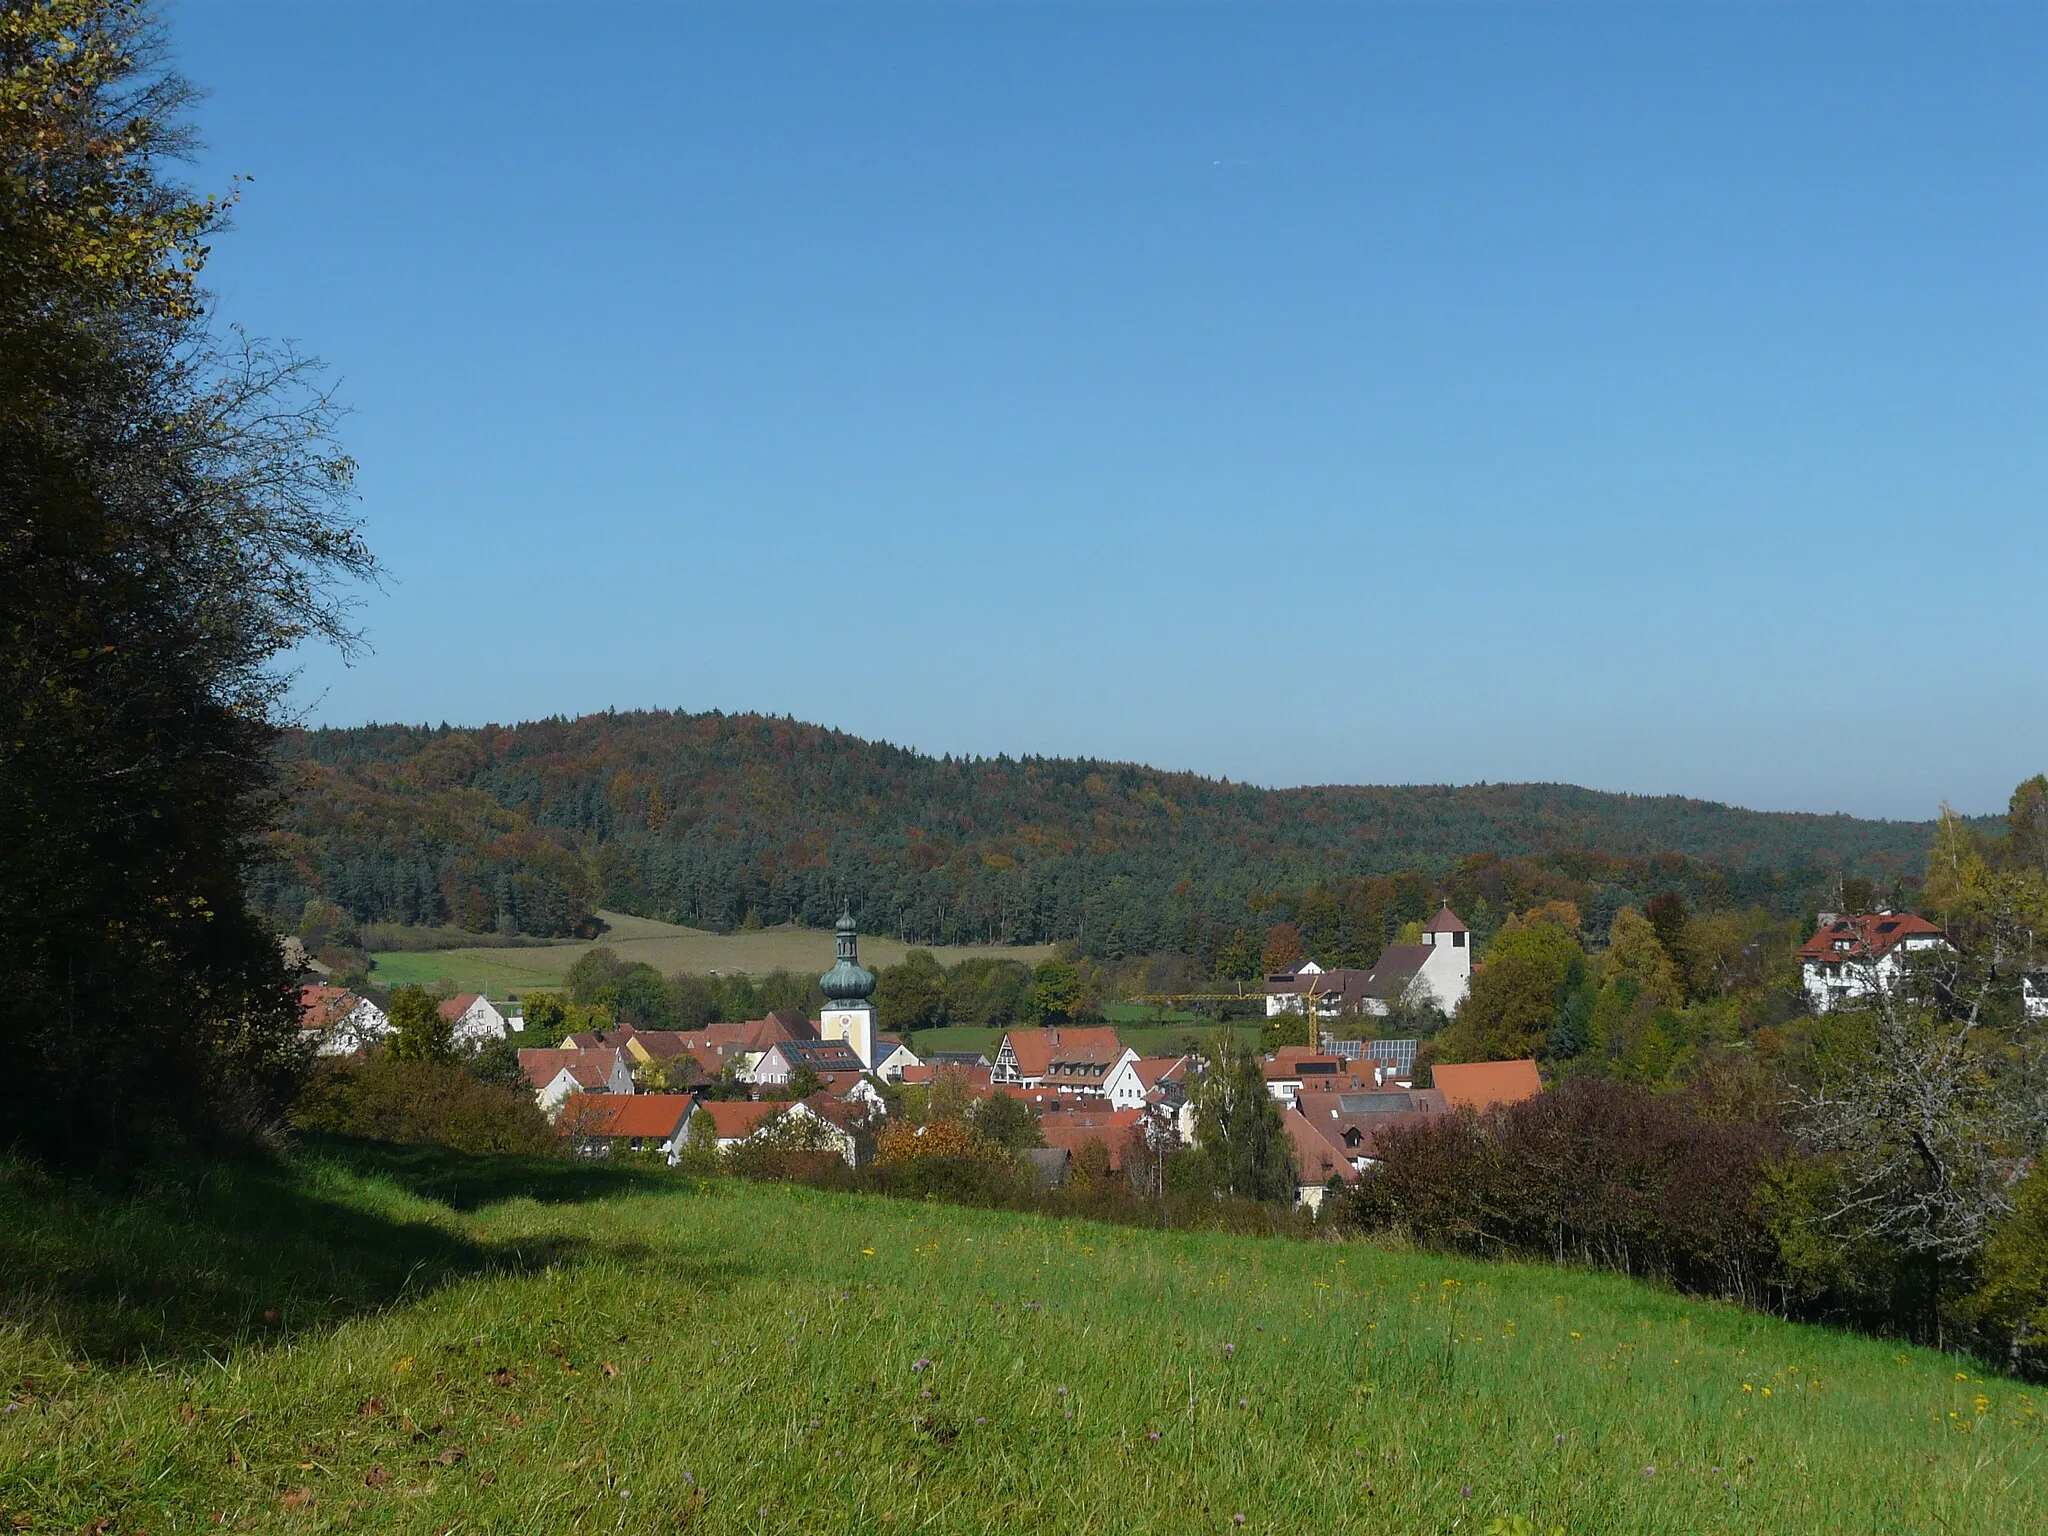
point(848, 983)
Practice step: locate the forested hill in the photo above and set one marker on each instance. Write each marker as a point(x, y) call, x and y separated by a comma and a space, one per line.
point(718, 819)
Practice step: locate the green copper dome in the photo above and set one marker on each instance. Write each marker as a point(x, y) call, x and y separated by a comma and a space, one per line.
point(848, 982)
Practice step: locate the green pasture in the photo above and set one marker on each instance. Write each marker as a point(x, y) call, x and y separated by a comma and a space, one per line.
point(408, 1340)
point(665, 946)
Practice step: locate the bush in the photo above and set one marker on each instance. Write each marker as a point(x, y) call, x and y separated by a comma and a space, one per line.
point(382, 1098)
point(1594, 1173)
point(2010, 1302)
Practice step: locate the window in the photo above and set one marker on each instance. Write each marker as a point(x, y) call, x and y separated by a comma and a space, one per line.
point(1457, 941)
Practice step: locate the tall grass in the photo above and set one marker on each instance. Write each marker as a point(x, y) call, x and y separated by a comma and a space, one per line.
point(572, 1350)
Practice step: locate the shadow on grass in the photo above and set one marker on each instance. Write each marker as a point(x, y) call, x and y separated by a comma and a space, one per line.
point(469, 1181)
point(206, 1258)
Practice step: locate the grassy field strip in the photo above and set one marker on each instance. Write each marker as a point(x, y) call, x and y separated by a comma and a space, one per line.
point(739, 1358)
point(666, 947)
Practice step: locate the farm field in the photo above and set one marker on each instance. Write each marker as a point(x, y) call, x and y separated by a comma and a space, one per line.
point(666, 947)
point(410, 1340)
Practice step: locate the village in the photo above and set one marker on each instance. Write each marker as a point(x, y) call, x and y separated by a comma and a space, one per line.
point(836, 1081)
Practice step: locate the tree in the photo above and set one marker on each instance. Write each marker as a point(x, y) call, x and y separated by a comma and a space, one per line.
point(1243, 1141)
point(1238, 959)
point(1283, 951)
point(1006, 1121)
point(803, 1082)
point(911, 994)
point(1671, 923)
point(419, 1032)
point(596, 975)
point(1055, 991)
point(177, 515)
point(1517, 998)
point(546, 1016)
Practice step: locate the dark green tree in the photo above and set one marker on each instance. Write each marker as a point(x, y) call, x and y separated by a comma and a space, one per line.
point(174, 514)
point(1244, 1144)
point(1055, 991)
point(911, 994)
point(419, 1032)
point(1007, 1121)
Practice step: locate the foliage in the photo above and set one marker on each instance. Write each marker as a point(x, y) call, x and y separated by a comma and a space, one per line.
point(1243, 1146)
point(901, 1143)
point(390, 1098)
point(1055, 991)
point(1517, 1000)
point(911, 994)
point(176, 515)
point(1005, 1121)
point(2010, 1301)
point(418, 1031)
point(703, 818)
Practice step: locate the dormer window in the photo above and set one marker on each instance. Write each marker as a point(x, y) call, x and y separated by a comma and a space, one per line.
point(1842, 946)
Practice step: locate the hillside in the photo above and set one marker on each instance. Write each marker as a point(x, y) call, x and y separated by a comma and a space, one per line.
point(710, 819)
point(409, 1339)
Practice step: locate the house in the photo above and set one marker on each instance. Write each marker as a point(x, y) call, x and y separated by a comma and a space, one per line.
point(1438, 971)
point(475, 1018)
point(1070, 1130)
point(336, 1022)
point(604, 1123)
point(1294, 1067)
point(1078, 1059)
point(556, 1074)
point(2034, 994)
point(1350, 1121)
point(957, 1059)
point(1385, 1061)
point(1135, 1079)
point(1316, 1161)
point(1485, 1085)
point(892, 1059)
point(978, 1079)
point(780, 1061)
point(1855, 954)
point(734, 1122)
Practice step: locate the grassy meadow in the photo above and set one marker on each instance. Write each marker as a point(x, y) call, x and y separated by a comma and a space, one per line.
point(409, 1340)
point(665, 946)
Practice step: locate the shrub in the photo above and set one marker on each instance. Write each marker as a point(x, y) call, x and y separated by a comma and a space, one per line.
point(383, 1098)
point(2010, 1302)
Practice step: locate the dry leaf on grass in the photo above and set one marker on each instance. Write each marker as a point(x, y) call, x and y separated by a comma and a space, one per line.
point(370, 1407)
point(451, 1456)
point(376, 1477)
point(610, 1370)
point(296, 1498)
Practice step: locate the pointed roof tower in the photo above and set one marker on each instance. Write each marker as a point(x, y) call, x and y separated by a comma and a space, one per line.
point(1445, 921)
point(848, 984)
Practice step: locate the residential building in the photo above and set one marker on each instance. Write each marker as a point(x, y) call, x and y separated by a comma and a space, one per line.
point(336, 1022)
point(1853, 955)
point(1316, 1161)
point(602, 1123)
point(1351, 1120)
point(557, 1074)
point(1078, 1060)
point(737, 1121)
point(1135, 1079)
point(1293, 1068)
point(780, 1061)
point(1485, 1085)
point(892, 1059)
point(1071, 1129)
point(476, 1018)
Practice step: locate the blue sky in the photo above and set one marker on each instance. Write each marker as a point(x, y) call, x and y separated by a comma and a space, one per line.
point(1646, 397)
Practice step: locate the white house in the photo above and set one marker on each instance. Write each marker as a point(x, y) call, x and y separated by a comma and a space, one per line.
point(736, 1121)
point(1853, 955)
point(1438, 970)
point(1135, 1079)
point(476, 1018)
point(892, 1059)
point(780, 1061)
point(338, 1022)
point(555, 1075)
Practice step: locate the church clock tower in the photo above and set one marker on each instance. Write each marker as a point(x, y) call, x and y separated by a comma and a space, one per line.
point(849, 990)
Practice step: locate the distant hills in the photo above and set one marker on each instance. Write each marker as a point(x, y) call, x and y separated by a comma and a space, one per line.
point(722, 820)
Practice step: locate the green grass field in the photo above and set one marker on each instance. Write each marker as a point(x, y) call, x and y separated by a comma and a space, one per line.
point(666, 947)
point(409, 1340)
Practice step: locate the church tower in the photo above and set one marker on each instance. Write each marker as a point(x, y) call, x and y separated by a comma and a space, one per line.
point(849, 990)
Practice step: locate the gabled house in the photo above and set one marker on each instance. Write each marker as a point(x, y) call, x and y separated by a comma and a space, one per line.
point(737, 1121)
point(556, 1074)
point(1316, 1160)
point(1485, 1085)
point(1855, 954)
point(603, 1123)
point(1135, 1080)
point(336, 1022)
point(1072, 1129)
point(780, 1061)
point(892, 1059)
point(1350, 1121)
point(1293, 1068)
point(1073, 1059)
point(476, 1019)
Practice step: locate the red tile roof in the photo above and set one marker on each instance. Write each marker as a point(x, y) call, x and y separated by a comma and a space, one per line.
point(591, 1069)
point(1482, 1085)
point(1315, 1157)
point(320, 1006)
point(1074, 1131)
point(1154, 1070)
point(736, 1119)
point(658, 1115)
point(1445, 921)
point(455, 1007)
point(1869, 935)
point(1037, 1049)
